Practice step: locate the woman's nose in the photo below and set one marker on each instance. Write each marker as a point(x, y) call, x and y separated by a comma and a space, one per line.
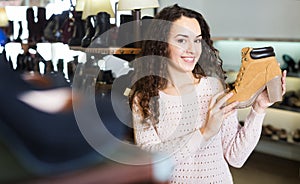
point(191, 48)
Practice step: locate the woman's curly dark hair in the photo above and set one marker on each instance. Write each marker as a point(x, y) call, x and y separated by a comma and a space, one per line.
point(156, 44)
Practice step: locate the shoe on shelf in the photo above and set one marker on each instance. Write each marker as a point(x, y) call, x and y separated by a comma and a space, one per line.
point(89, 31)
point(296, 135)
point(282, 134)
point(268, 130)
point(259, 70)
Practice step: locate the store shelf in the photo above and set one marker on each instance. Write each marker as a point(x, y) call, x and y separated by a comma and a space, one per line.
point(287, 108)
point(285, 119)
point(288, 120)
point(108, 51)
point(284, 149)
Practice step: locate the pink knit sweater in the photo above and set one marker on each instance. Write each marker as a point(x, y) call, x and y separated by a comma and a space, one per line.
point(177, 133)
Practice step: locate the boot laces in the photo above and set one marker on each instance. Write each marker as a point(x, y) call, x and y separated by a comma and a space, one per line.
point(239, 77)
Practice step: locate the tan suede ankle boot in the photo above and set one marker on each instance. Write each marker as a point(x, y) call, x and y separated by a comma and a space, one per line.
point(259, 70)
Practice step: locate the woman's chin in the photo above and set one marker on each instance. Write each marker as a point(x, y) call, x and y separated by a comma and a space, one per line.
point(188, 67)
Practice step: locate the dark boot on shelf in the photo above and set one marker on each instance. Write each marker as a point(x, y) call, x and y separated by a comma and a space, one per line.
point(71, 68)
point(20, 32)
point(289, 63)
point(89, 31)
point(41, 24)
point(107, 77)
point(88, 73)
point(265, 131)
point(21, 65)
point(79, 31)
point(36, 65)
point(49, 68)
point(60, 66)
point(125, 32)
point(268, 130)
point(259, 70)
point(10, 29)
point(30, 64)
point(67, 29)
point(292, 99)
point(10, 64)
point(31, 25)
point(296, 135)
point(101, 37)
point(51, 31)
point(282, 134)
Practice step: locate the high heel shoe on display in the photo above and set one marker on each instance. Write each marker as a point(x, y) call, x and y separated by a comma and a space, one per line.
point(259, 70)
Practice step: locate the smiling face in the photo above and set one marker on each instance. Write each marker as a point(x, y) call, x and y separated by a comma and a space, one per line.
point(184, 44)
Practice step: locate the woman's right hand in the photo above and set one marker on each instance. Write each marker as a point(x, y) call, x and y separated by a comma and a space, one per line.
point(218, 111)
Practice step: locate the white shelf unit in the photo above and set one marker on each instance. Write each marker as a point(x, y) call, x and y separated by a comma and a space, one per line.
point(278, 118)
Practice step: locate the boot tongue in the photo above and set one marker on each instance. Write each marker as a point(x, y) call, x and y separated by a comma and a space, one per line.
point(245, 51)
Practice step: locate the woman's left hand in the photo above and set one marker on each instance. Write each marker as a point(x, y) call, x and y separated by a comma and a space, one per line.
point(262, 101)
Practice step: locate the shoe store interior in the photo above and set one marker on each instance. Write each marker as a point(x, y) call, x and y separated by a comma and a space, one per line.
point(54, 48)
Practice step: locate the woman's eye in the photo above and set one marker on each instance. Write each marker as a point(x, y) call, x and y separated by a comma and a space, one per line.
point(198, 40)
point(181, 41)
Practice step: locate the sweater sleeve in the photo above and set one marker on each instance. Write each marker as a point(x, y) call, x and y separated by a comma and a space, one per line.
point(180, 147)
point(239, 141)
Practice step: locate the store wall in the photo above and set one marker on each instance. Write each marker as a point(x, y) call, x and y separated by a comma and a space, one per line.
point(239, 23)
point(230, 51)
point(247, 19)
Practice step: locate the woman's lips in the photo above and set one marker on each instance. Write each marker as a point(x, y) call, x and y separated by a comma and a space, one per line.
point(188, 59)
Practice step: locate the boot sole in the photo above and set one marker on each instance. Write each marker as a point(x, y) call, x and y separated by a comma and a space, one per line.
point(274, 91)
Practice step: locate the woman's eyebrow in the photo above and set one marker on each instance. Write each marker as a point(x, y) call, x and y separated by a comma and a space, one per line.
point(182, 35)
point(186, 36)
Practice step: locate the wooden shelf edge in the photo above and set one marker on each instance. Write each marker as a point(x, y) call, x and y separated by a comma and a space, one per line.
point(109, 50)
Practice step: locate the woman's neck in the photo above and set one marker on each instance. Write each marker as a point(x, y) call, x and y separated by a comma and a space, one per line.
point(180, 83)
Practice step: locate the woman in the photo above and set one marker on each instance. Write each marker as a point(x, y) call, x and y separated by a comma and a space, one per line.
point(180, 108)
